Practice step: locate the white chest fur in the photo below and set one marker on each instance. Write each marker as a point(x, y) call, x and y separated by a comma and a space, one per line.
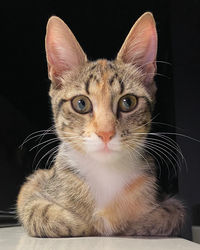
point(105, 178)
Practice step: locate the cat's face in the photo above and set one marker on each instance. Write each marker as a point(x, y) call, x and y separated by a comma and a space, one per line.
point(103, 108)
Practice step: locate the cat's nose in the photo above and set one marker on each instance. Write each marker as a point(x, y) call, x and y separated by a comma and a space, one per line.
point(106, 136)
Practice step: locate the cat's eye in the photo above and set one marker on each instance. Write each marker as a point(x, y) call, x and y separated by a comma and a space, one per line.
point(127, 103)
point(81, 104)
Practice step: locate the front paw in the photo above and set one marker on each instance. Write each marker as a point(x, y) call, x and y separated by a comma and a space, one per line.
point(102, 224)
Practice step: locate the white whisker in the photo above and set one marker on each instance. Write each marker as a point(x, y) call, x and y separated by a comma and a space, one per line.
point(42, 149)
point(165, 153)
point(53, 154)
point(36, 134)
point(41, 143)
point(44, 157)
point(166, 147)
point(133, 149)
point(143, 125)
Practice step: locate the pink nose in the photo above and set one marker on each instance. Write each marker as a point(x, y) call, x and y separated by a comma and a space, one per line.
point(106, 136)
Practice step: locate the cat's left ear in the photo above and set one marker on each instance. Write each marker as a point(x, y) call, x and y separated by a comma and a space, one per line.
point(62, 50)
point(140, 46)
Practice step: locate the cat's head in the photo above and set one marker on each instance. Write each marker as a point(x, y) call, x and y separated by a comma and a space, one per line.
point(102, 107)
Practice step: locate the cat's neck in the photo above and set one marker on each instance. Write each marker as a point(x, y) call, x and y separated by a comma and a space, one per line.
point(105, 179)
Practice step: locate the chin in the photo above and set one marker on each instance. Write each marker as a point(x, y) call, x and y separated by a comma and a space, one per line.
point(105, 155)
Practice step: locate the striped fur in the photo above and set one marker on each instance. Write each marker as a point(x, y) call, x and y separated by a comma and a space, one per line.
point(103, 181)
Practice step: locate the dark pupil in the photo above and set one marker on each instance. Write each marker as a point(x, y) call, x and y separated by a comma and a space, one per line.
point(127, 102)
point(81, 104)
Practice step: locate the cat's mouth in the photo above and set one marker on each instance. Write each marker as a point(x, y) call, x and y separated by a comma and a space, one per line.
point(106, 149)
point(105, 154)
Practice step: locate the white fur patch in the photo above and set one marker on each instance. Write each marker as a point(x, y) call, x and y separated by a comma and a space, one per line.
point(105, 172)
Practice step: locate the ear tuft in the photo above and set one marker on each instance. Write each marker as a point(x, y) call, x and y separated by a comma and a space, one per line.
point(62, 49)
point(140, 46)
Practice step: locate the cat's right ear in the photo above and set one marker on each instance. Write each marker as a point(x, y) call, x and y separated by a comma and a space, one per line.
point(63, 51)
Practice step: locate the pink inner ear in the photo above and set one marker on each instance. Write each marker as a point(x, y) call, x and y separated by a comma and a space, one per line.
point(151, 49)
point(63, 51)
point(140, 46)
point(60, 58)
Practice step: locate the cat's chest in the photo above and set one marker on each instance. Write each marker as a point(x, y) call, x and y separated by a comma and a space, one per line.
point(105, 180)
point(105, 184)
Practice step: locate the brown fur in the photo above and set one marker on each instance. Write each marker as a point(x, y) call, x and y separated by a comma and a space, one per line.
point(61, 201)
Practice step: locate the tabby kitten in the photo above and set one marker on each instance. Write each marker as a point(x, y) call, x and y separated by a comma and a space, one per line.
point(103, 181)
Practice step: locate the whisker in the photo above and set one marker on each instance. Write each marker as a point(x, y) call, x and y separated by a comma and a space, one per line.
point(144, 64)
point(164, 62)
point(138, 145)
point(164, 148)
point(53, 154)
point(28, 139)
point(41, 150)
point(44, 157)
point(150, 121)
point(181, 135)
point(41, 143)
point(139, 155)
point(161, 142)
point(31, 137)
point(158, 154)
point(47, 132)
point(170, 133)
point(129, 152)
point(167, 145)
point(166, 153)
point(167, 124)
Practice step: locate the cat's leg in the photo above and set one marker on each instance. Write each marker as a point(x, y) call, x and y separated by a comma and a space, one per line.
point(165, 220)
point(42, 216)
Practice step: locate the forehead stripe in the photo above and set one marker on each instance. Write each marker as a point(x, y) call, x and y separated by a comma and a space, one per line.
point(87, 84)
point(121, 86)
point(112, 79)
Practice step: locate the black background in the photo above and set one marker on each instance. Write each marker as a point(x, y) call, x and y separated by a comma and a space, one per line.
point(100, 28)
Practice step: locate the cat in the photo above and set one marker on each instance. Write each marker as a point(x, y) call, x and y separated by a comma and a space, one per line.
point(102, 182)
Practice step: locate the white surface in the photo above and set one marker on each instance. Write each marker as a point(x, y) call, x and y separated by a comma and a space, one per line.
point(196, 234)
point(15, 238)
